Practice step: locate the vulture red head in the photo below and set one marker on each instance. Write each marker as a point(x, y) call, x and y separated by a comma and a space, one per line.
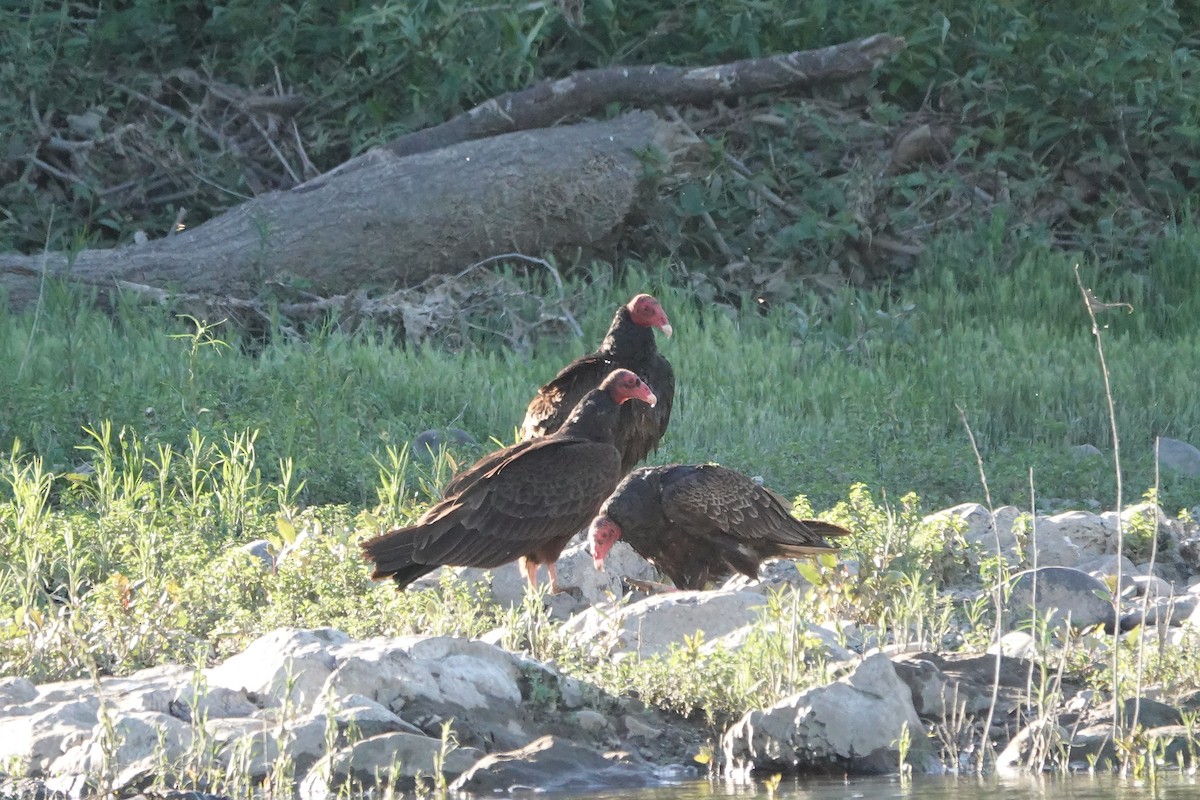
point(646, 311)
point(623, 384)
point(603, 533)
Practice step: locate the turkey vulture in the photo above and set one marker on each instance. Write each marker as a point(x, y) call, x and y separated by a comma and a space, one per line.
point(629, 344)
point(702, 522)
point(525, 501)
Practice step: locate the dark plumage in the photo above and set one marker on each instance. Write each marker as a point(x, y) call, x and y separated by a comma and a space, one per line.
point(702, 522)
point(525, 501)
point(629, 344)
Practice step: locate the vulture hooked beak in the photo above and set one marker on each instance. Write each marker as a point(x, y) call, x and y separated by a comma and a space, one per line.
point(666, 328)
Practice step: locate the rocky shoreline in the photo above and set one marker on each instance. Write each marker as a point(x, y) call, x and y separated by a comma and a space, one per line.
point(320, 711)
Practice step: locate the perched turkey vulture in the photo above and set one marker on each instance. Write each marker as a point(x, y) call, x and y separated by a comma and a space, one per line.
point(701, 522)
point(525, 501)
point(629, 344)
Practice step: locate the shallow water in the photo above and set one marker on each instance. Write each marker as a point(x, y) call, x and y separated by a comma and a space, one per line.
point(1171, 786)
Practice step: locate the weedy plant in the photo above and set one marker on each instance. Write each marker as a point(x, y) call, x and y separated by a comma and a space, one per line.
point(114, 534)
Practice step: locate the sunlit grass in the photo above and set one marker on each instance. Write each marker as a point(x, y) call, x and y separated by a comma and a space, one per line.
point(853, 387)
point(143, 451)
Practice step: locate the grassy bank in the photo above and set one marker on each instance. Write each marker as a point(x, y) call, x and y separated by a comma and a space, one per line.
point(144, 450)
point(863, 386)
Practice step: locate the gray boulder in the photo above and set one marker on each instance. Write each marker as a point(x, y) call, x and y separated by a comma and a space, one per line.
point(1055, 549)
point(392, 760)
point(1172, 611)
point(1105, 568)
point(1178, 457)
point(1151, 585)
point(937, 696)
point(942, 683)
point(551, 764)
point(245, 746)
point(15, 690)
point(971, 533)
point(1150, 713)
point(1061, 593)
point(187, 702)
point(1093, 534)
point(359, 717)
point(851, 725)
point(427, 444)
point(262, 551)
point(381, 670)
point(143, 745)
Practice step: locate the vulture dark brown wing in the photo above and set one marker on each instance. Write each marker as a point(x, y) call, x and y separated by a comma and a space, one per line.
point(641, 427)
point(666, 377)
point(483, 468)
point(552, 489)
point(715, 497)
point(554, 401)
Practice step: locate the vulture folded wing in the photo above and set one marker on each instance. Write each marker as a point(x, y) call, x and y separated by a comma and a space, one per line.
point(714, 497)
point(554, 401)
point(663, 376)
point(483, 468)
point(641, 428)
point(718, 499)
point(551, 490)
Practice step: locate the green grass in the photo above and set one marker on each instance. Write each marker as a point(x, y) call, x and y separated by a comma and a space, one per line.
point(144, 450)
point(860, 386)
point(1079, 124)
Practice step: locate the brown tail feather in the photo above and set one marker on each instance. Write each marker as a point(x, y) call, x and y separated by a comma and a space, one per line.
point(824, 528)
point(393, 554)
point(800, 550)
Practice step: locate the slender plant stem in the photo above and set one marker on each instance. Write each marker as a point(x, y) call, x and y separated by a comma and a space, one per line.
point(997, 600)
point(1091, 304)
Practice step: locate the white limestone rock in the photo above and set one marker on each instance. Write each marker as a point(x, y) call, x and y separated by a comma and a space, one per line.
point(650, 626)
point(823, 728)
point(144, 744)
point(29, 743)
point(442, 669)
point(287, 665)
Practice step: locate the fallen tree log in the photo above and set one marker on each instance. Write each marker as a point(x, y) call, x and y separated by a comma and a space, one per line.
point(434, 201)
point(650, 85)
point(394, 223)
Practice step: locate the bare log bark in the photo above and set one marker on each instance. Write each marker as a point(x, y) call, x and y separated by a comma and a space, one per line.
point(392, 224)
point(436, 200)
point(550, 101)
